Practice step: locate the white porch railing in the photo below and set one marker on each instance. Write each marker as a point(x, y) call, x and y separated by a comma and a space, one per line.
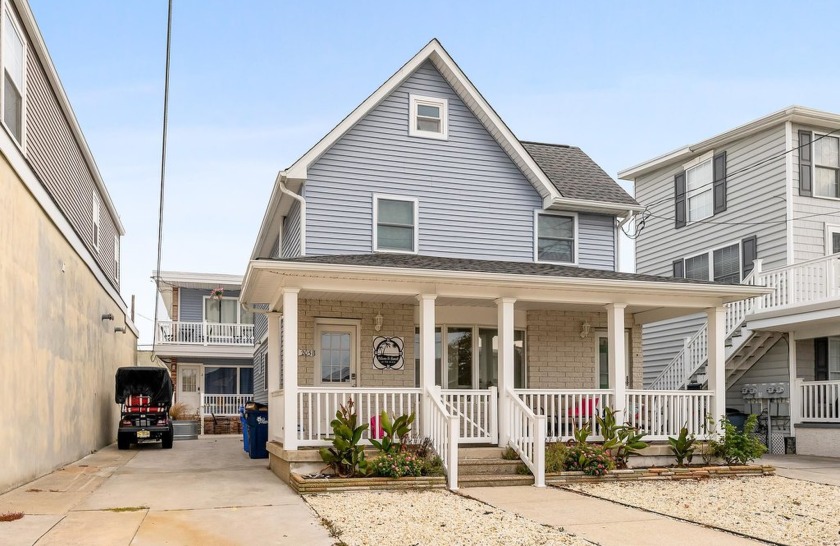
point(316, 408)
point(476, 411)
point(204, 333)
point(527, 437)
point(808, 282)
point(820, 401)
point(276, 416)
point(444, 430)
point(567, 410)
point(224, 404)
point(660, 414)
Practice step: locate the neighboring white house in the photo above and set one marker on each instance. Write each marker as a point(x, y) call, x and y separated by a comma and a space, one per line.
point(422, 258)
point(760, 205)
point(208, 346)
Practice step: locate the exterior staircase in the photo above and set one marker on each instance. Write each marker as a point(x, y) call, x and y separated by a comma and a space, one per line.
point(750, 350)
point(485, 467)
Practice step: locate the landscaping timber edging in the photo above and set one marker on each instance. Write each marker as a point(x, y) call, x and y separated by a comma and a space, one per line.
point(659, 473)
point(307, 486)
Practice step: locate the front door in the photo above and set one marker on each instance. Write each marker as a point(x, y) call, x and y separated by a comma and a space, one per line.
point(337, 350)
point(189, 386)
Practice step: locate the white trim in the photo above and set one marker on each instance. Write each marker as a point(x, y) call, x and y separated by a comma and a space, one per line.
point(711, 254)
point(789, 145)
point(443, 104)
point(585, 205)
point(575, 220)
point(375, 225)
point(829, 230)
point(204, 308)
point(815, 134)
point(355, 349)
point(705, 187)
point(8, 12)
point(210, 279)
point(700, 159)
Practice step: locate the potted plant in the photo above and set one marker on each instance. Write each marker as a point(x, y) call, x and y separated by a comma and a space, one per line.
point(217, 293)
point(184, 423)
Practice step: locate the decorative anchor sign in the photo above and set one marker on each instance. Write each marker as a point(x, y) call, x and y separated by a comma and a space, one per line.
point(388, 353)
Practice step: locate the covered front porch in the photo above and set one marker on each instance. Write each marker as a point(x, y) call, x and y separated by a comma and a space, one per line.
point(481, 358)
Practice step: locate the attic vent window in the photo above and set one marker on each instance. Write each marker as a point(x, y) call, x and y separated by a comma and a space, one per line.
point(428, 117)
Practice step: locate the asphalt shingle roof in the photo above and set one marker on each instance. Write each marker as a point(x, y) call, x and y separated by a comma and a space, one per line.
point(575, 175)
point(414, 261)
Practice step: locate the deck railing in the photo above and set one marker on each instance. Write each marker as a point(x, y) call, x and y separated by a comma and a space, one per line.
point(444, 430)
point(660, 414)
point(476, 412)
point(567, 410)
point(204, 333)
point(317, 406)
point(804, 283)
point(820, 401)
point(527, 437)
point(224, 404)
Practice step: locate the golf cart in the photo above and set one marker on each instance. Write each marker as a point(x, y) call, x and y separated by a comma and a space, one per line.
point(145, 394)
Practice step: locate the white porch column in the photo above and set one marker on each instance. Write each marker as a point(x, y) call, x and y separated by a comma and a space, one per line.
point(617, 358)
point(275, 427)
point(505, 365)
point(795, 392)
point(290, 367)
point(427, 354)
point(716, 367)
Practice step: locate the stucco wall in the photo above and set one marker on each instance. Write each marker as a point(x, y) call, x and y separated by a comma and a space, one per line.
point(57, 356)
point(820, 441)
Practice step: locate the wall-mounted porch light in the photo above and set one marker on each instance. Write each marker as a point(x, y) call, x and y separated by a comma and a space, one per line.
point(377, 322)
point(584, 329)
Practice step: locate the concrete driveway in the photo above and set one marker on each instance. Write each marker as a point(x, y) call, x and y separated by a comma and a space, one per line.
point(204, 491)
point(806, 467)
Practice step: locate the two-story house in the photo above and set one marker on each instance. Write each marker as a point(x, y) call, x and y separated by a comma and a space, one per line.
point(65, 328)
point(421, 258)
point(758, 204)
point(208, 346)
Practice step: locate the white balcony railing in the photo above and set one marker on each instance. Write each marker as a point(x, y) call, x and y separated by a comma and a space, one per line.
point(567, 410)
point(820, 401)
point(224, 404)
point(204, 333)
point(804, 283)
point(476, 412)
point(660, 414)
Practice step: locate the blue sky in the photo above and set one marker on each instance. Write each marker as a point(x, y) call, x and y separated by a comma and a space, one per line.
point(255, 84)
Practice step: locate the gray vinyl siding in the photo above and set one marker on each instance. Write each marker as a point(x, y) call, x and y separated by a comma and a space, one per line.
point(192, 303)
point(473, 200)
point(811, 214)
point(661, 341)
point(596, 245)
point(260, 323)
point(771, 368)
point(290, 246)
point(805, 357)
point(58, 161)
point(260, 393)
point(755, 206)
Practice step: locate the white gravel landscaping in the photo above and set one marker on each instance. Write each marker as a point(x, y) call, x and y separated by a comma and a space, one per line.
point(428, 518)
point(772, 508)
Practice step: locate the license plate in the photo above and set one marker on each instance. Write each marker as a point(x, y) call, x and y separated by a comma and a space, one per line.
point(142, 433)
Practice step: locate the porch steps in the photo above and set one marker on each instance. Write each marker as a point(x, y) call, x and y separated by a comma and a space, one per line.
point(485, 467)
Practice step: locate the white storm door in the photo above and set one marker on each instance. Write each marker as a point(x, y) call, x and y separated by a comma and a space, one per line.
point(336, 355)
point(189, 386)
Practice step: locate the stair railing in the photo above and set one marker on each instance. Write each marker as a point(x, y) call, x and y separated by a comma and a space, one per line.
point(444, 434)
point(527, 437)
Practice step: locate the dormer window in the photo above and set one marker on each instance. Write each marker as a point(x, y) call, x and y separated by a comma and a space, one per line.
point(428, 117)
point(395, 221)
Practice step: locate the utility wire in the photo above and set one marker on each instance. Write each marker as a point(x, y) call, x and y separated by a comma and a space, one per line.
point(162, 172)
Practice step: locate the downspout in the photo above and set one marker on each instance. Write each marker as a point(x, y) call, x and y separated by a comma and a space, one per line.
point(281, 183)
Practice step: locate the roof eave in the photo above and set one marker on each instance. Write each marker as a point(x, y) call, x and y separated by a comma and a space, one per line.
point(583, 205)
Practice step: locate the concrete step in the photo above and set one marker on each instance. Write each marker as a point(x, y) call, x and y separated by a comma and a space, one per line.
point(471, 467)
point(479, 453)
point(494, 481)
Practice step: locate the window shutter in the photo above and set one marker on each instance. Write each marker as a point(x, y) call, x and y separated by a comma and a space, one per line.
point(679, 203)
point(821, 359)
point(719, 185)
point(749, 252)
point(679, 269)
point(805, 163)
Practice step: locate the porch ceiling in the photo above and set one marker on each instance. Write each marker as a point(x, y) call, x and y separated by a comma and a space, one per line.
point(646, 300)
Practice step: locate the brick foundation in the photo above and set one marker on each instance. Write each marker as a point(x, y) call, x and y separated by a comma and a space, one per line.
point(223, 425)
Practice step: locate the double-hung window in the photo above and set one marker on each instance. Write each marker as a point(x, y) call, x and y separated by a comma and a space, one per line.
point(556, 238)
point(428, 117)
point(725, 264)
point(395, 220)
point(14, 66)
point(228, 380)
point(827, 167)
point(698, 180)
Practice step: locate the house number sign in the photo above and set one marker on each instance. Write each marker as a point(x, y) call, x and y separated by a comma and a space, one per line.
point(388, 353)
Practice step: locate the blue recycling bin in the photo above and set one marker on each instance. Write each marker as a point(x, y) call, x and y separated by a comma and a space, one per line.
point(245, 444)
point(257, 421)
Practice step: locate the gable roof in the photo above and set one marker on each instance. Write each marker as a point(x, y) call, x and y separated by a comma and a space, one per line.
point(566, 166)
point(795, 114)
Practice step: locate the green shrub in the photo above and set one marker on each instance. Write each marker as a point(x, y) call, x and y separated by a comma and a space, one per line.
point(620, 441)
point(555, 455)
point(510, 454)
point(592, 459)
point(433, 466)
point(739, 447)
point(345, 456)
point(424, 451)
point(396, 465)
point(683, 446)
point(395, 433)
